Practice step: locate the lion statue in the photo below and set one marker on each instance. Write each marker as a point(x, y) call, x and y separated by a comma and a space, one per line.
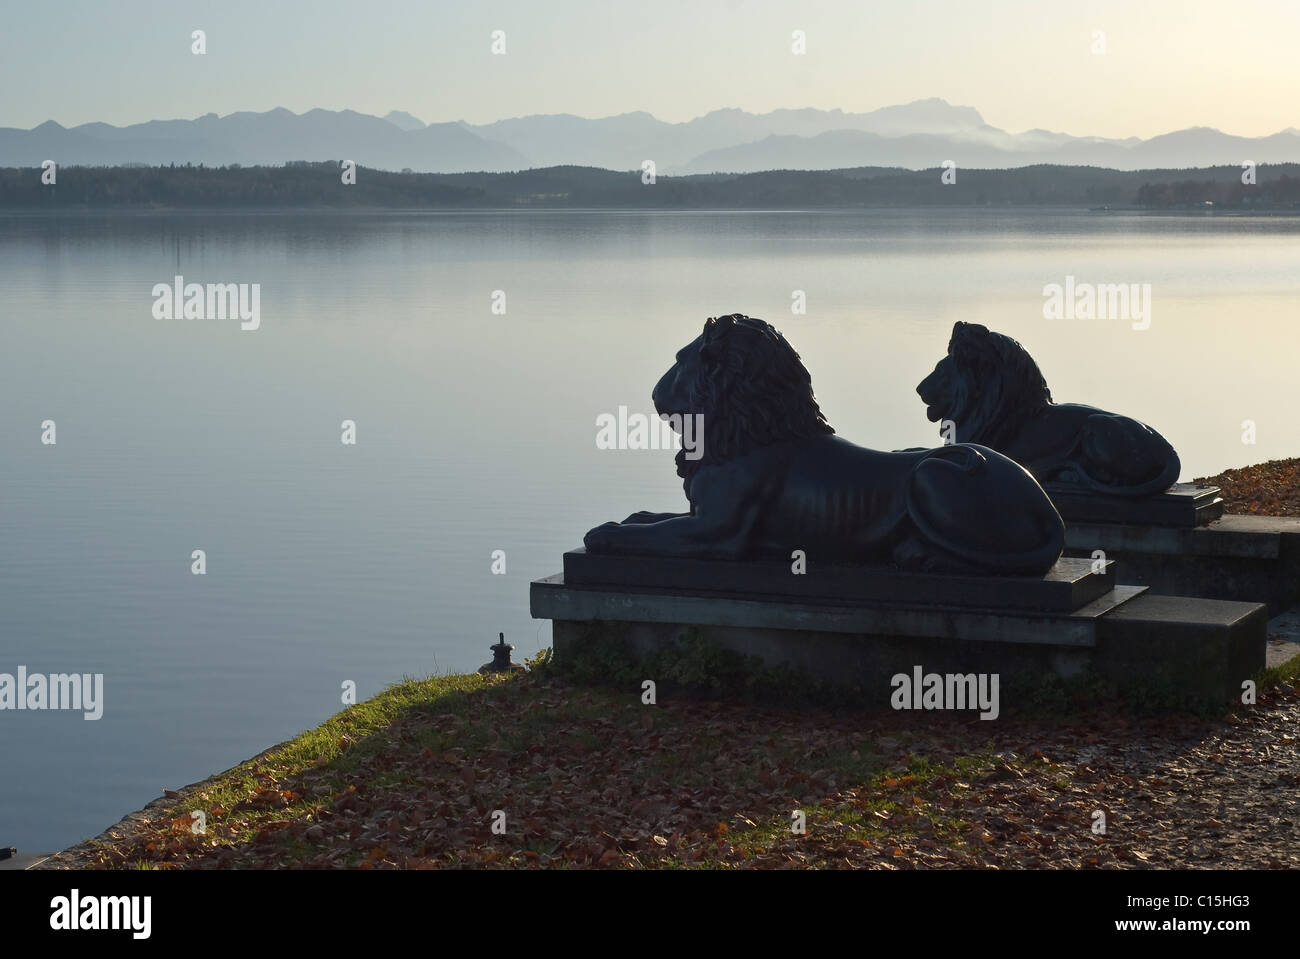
point(771, 477)
point(993, 393)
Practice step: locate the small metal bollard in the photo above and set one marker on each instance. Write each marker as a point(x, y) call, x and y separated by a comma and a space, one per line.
point(501, 659)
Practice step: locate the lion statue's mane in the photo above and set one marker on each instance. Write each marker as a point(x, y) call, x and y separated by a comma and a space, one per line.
point(999, 385)
point(993, 392)
point(752, 390)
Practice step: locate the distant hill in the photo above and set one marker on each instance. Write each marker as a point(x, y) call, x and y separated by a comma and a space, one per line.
point(1199, 147)
point(914, 136)
point(403, 120)
point(305, 185)
point(623, 142)
point(261, 138)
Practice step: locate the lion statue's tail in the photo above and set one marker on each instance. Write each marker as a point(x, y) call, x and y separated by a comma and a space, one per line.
point(1117, 450)
point(986, 509)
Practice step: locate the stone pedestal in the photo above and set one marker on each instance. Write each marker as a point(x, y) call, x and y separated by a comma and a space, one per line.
point(1183, 505)
point(1184, 651)
point(1236, 557)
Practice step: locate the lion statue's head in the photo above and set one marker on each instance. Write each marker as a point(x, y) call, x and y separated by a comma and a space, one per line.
point(987, 385)
point(747, 383)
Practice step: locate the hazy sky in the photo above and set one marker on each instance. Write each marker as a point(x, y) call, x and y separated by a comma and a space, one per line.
point(1168, 64)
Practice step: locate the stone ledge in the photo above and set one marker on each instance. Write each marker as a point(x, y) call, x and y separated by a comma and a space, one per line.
point(1183, 505)
point(553, 598)
point(1240, 558)
point(1253, 537)
point(1067, 586)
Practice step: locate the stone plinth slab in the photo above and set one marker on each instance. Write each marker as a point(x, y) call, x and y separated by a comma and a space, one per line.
point(1184, 505)
point(1070, 584)
point(1206, 647)
point(1237, 557)
point(554, 598)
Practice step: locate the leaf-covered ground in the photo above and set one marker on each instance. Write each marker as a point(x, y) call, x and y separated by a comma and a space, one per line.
point(1270, 489)
point(590, 777)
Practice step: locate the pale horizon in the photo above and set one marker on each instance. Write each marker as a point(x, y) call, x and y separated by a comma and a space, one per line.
point(1166, 66)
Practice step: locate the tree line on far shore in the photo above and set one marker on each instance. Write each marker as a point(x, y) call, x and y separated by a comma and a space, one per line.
point(305, 185)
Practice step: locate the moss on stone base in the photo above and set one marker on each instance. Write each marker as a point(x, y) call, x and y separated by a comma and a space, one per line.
point(692, 665)
point(601, 653)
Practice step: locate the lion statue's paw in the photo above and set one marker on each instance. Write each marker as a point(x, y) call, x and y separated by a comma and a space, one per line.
point(601, 538)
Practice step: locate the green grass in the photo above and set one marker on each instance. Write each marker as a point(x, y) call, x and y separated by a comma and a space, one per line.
point(1285, 672)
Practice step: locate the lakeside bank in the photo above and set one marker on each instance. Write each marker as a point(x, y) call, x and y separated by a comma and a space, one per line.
point(536, 771)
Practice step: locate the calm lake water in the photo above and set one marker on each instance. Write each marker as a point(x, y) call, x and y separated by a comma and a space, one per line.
point(476, 430)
